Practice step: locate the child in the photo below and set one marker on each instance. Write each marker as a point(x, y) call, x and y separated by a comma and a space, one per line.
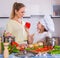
point(45, 27)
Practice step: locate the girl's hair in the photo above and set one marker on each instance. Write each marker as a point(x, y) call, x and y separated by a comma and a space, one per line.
point(43, 26)
point(45, 30)
point(16, 6)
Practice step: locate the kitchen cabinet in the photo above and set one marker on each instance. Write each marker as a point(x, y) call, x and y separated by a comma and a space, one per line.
point(56, 8)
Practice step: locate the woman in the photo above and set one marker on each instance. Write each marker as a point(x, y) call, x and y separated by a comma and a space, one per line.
point(45, 27)
point(16, 25)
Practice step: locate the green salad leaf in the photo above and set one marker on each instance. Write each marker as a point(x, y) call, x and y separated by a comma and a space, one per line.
point(28, 49)
point(56, 50)
point(13, 49)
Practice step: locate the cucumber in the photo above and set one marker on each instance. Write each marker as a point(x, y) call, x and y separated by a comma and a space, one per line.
point(56, 47)
point(28, 49)
point(40, 46)
point(15, 51)
point(12, 49)
point(2, 47)
point(54, 52)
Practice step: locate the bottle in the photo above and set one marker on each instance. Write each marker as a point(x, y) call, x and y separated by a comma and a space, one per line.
point(6, 52)
point(0, 46)
point(5, 43)
point(4, 35)
point(53, 42)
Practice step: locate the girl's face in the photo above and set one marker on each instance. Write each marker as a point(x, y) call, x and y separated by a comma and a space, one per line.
point(40, 26)
point(20, 12)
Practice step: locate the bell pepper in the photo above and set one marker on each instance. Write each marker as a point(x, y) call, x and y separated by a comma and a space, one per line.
point(27, 25)
point(18, 46)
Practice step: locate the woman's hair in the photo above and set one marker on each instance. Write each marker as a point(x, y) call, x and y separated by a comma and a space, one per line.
point(16, 6)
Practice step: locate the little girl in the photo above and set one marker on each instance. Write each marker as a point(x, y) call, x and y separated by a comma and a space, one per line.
point(45, 27)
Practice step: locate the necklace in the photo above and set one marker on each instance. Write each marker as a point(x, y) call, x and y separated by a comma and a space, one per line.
point(19, 21)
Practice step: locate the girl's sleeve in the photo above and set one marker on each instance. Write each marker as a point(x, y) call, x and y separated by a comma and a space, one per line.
point(49, 34)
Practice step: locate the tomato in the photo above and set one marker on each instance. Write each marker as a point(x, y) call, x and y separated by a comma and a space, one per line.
point(38, 49)
point(50, 47)
point(35, 51)
point(42, 49)
point(22, 47)
point(14, 43)
point(45, 46)
point(45, 49)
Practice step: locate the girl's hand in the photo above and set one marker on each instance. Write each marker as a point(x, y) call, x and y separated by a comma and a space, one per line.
point(30, 39)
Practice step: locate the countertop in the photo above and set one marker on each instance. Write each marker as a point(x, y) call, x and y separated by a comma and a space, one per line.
point(36, 56)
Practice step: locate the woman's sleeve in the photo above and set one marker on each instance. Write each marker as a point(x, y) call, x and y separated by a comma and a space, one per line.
point(9, 28)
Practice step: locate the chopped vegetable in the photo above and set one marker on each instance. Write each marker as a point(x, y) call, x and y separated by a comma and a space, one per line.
point(55, 51)
point(57, 47)
point(12, 49)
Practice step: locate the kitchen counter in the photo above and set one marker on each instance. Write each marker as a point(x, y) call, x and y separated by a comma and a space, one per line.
point(36, 56)
point(26, 53)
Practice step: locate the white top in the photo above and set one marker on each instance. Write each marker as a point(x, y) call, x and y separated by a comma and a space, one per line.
point(18, 30)
point(41, 36)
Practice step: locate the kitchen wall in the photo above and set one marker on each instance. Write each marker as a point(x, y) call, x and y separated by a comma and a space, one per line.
point(33, 7)
point(33, 20)
point(55, 2)
point(57, 26)
point(36, 8)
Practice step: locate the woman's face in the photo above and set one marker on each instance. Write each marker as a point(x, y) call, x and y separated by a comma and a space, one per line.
point(20, 12)
point(40, 26)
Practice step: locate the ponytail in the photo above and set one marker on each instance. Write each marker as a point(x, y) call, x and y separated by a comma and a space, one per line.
point(16, 6)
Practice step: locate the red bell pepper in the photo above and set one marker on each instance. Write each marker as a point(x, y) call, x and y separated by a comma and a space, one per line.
point(27, 25)
point(17, 45)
